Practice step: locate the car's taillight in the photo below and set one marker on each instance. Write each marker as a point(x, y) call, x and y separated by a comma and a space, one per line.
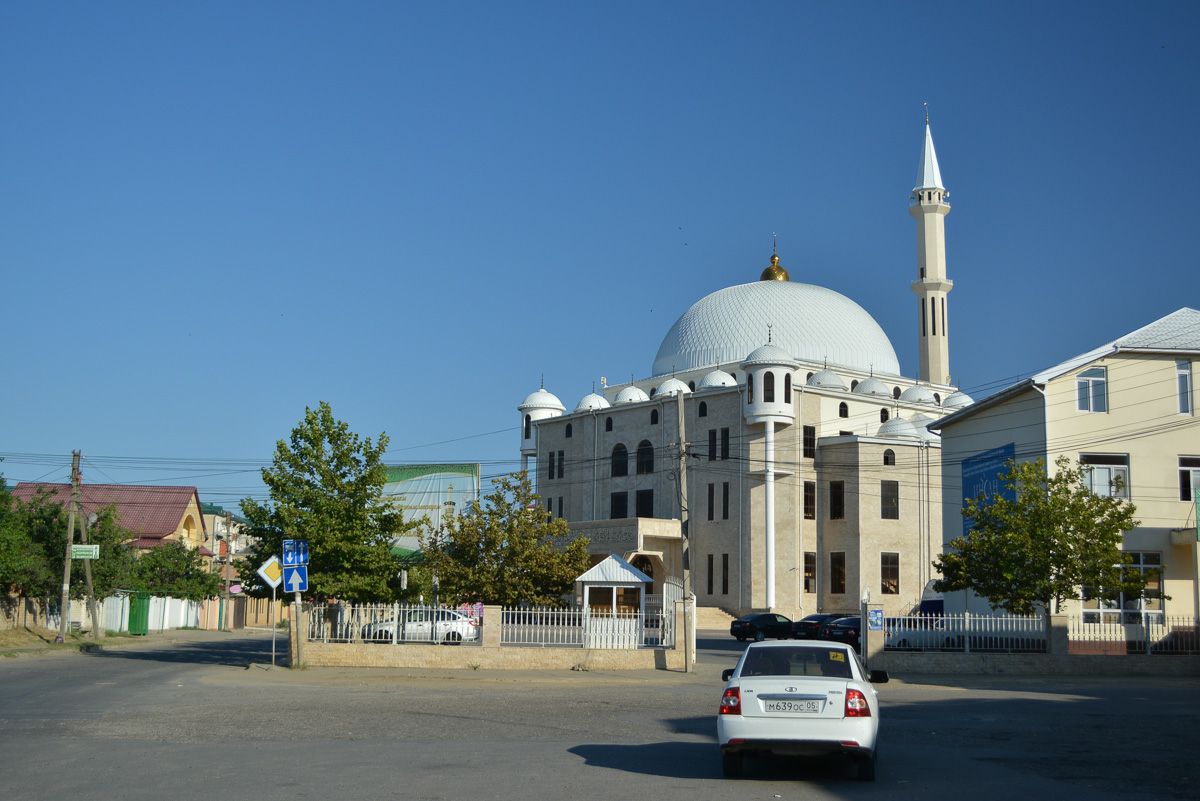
point(856, 705)
point(731, 702)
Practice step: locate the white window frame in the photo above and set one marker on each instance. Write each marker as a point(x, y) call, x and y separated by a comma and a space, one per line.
point(1091, 390)
point(1147, 608)
point(1101, 471)
point(1183, 385)
point(1193, 486)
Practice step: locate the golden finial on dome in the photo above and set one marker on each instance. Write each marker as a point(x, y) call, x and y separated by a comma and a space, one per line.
point(775, 272)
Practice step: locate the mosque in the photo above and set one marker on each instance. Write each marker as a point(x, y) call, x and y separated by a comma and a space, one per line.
point(810, 478)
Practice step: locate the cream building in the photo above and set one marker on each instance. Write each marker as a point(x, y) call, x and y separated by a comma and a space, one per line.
point(1128, 410)
point(811, 478)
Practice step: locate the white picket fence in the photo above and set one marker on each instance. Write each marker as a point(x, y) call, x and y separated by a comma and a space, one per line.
point(165, 614)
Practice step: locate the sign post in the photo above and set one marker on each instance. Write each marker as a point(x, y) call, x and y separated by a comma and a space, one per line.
point(271, 574)
point(295, 580)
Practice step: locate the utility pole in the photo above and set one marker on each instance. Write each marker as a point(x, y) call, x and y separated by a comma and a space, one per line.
point(64, 608)
point(93, 609)
point(689, 645)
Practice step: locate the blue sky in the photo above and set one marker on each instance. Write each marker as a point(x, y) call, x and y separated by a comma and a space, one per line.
point(216, 214)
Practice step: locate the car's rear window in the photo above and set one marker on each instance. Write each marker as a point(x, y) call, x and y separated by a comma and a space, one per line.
point(830, 663)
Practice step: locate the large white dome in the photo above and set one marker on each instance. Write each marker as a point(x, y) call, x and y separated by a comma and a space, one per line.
point(811, 323)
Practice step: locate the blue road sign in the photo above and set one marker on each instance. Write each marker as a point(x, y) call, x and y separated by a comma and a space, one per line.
point(295, 552)
point(295, 578)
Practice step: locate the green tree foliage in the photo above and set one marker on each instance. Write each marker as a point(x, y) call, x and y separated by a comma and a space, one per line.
point(326, 487)
point(21, 560)
point(1055, 540)
point(507, 550)
point(175, 570)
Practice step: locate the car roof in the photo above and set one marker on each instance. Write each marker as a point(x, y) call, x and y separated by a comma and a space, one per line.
point(822, 644)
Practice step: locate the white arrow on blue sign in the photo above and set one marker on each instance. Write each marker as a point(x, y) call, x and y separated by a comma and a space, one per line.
point(295, 578)
point(295, 552)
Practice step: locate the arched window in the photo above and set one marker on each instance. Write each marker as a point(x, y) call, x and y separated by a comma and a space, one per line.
point(896, 393)
point(569, 430)
point(608, 424)
point(653, 390)
point(620, 461)
point(853, 385)
point(843, 410)
point(703, 409)
point(937, 397)
point(883, 415)
point(749, 387)
point(807, 377)
point(654, 417)
point(889, 457)
point(645, 457)
point(692, 386)
point(787, 387)
point(528, 426)
point(768, 387)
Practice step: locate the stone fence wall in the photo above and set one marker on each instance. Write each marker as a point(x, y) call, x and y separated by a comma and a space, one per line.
point(487, 655)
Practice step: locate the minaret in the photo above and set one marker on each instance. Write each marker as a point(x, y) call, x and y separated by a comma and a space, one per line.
point(929, 208)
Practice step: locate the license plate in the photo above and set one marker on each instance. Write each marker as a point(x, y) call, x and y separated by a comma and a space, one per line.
point(805, 706)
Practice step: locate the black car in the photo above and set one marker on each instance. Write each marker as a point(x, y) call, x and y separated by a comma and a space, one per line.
point(809, 627)
point(761, 625)
point(842, 629)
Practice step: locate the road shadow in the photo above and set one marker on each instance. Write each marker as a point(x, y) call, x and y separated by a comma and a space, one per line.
point(702, 725)
point(241, 652)
point(677, 760)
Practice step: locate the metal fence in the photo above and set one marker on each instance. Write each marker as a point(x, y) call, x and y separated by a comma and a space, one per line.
point(1151, 634)
point(575, 627)
point(396, 623)
point(966, 633)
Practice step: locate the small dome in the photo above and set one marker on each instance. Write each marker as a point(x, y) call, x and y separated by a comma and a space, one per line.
point(632, 394)
point(717, 378)
point(827, 379)
point(898, 427)
point(918, 393)
point(541, 400)
point(591, 402)
point(957, 400)
point(775, 271)
point(874, 387)
point(769, 354)
point(672, 386)
point(920, 421)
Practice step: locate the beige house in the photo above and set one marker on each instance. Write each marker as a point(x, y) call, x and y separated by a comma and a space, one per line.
point(1127, 410)
point(812, 479)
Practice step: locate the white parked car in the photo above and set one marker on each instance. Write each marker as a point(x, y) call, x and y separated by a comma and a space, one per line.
point(799, 698)
point(417, 625)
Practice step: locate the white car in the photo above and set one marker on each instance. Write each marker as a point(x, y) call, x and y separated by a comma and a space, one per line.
point(417, 625)
point(799, 698)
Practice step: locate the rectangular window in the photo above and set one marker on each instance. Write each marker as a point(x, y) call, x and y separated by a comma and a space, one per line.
point(810, 571)
point(712, 492)
point(645, 503)
point(1120, 608)
point(810, 442)
point(889, 500)
point(561, 462)
point(618, 505)
point(837, 500)
point(1091, 390)
point(1189, 478)
point(550, 472)
point(560, 506)
point(837, 573)
point(1106, 474)
point(710, 574)
point(724, 574)
point(549, 506)
point(724, 443)
point(889, 573)
point(724, 500)
point(712, 444)
point(1183, 381)
point(810, 500)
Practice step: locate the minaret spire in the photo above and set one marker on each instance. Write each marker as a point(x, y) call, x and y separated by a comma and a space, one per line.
point(929, 208)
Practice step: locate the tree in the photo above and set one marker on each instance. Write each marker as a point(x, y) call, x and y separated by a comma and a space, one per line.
point(1056, 540)
point(172, 569)
point(507, 550)
point(21, 560)
point(326, 487)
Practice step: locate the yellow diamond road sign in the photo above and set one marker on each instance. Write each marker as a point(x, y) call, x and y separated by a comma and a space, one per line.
point(271, 572)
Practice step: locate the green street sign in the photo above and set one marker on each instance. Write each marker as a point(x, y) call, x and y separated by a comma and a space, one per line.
point(85, 551)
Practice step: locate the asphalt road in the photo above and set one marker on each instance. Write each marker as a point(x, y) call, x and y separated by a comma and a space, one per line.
point(202, 719)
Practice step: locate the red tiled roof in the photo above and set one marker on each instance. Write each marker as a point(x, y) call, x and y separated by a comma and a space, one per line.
point(149, 512)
